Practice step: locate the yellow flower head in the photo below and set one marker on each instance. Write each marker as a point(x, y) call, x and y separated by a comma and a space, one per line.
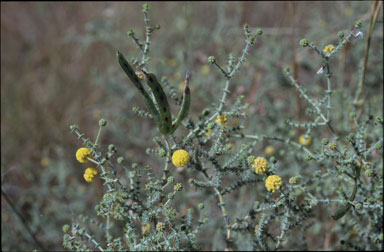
point(82, 154)
point(180, 158)
point(89, 174)
point(328, 49)
point(273, 182)
point(145, 229)
point(269, 150)
point(305, 141)
point(260, 165)
point(208, 132)
point(44, 161)
point(221, 119)
point(205, 69)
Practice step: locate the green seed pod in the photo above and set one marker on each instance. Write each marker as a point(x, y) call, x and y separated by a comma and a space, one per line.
point(162, 103)
point(341, 212)
point(136, 81)
point(184, 105)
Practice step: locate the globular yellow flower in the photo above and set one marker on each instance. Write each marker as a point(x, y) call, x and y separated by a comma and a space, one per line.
point(328, 49)
point(44, 161)
point(89, 174)
point(208, 132)
point(145, 229)
point(82, 155)
point(205, 69)
point(180, 158)
point(260, 165)
point(222, 119)
point(269, 150)
point(305, 141)
point(273, 182)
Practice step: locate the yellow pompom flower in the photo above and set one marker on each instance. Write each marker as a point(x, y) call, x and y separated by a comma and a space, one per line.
point(82, 155)
point(260, 165)
point(180, 158)
point(273, 182)
point(328, 49)
point(221, 119)
point(305, 141)
point(205, 69)
point(208, 132)
point(269, 150)
point(89, 174)
point(44, 161)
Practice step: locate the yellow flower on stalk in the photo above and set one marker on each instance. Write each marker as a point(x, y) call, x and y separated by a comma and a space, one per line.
point(208, 132)
point(82, 155)
point(269, 150)
point(89, 174)
point(180, 158)
point(205, 69)
point(328, 49)
point(273, 182)
point(221, 119)
point(260, 165)
point(305, 140)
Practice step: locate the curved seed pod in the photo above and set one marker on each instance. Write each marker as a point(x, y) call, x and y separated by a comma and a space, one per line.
point(136, 81)
point(341, 212)
point(162, 103)
point(184, 106)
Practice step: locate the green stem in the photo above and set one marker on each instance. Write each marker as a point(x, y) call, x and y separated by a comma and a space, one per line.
point(297, 145)
point(375, 12)
point(167, 161)
point(98, 135)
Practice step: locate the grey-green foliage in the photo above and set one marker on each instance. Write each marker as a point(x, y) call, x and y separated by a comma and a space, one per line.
point(339, 178)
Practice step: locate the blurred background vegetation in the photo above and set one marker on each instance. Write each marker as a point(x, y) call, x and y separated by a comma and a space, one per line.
point(58, 67)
